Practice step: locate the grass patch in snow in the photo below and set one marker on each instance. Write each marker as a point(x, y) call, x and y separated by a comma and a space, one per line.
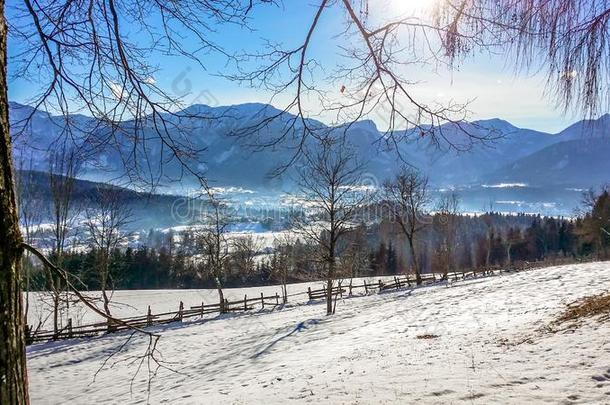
point(427, 336)
point(587, 307)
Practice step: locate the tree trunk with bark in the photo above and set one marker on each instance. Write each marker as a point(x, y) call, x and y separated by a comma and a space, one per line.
point(13, 372)
point(415, 263)
point(329, 290)
point(221, 298)
point(331, 267)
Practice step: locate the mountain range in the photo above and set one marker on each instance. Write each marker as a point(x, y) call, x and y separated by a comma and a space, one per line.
point(518, 166)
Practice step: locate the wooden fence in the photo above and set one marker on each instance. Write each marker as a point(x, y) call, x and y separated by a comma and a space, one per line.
point(150, 319)
point(397, 282)
point(407, 280)
point(247, 304)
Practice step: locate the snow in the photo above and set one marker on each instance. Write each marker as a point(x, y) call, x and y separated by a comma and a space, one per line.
point(130, 303)
point(369, 352)
point(264, 239)
point(505, 185)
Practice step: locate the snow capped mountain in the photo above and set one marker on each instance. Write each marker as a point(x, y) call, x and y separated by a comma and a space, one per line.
point(576, 156)
point(590, 128)
point(573, 163)
point(460, 159)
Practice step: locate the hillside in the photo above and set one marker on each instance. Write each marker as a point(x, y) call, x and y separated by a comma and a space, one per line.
point(149, 210)
point(550, 165)
point(475, 341)
point(575, 163)
point(230, 160)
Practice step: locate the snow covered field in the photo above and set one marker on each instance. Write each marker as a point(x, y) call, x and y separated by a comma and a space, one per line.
point(371, 351)
point(127, 303)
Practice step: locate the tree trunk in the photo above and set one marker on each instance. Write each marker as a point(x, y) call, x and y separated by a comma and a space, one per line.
point(56, 299)
point(26, 273)
point(415, 264)
point(329, 295)
point(106, 301)
point(105, 271)
point(13, 372)
point(284, 292)
point(446, 261)
point(329, 286)
point(221, 297)
point(488, 253)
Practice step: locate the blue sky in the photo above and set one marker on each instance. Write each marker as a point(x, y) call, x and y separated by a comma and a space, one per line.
point(495, 89)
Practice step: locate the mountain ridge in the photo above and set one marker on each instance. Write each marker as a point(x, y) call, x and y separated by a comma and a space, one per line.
point(229, 161)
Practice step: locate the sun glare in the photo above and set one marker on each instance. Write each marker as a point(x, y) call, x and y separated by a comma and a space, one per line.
point(402, 7)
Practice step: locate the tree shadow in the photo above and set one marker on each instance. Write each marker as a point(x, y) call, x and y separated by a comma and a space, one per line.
point(300, 327)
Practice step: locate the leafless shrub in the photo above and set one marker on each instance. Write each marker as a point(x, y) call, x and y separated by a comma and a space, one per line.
point(106, 223)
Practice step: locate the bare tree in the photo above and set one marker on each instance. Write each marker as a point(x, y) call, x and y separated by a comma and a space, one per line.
point(30, 204)
point(355, 259)
point(31, 210)
point(64, 165)
point(448, 210)
point(244, 250)
point(406, 199)
point(80, 54)
point(329, 186)
point(369, 81)
point(595, 224)
point(513, 236)
point(106, 221)
point(212, 237)
point(284, 261)
point(489, 235)
point(568, 39)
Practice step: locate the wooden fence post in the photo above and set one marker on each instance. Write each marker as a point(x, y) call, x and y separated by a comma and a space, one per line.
point(180, 309)
point(69, 327)
point(202, 308)
point(149, 318)
point(396, 282)
point(110, 325)
point(225, 306)
point(309, 292)
point(245, 302)
point(380, 284)
point(350, 289)
point(262, 300)
point(277, 299)
point(366, 288)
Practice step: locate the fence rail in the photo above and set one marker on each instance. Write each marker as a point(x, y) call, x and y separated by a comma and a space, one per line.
point(395, 283)
point(262, 301)
point(150, 319)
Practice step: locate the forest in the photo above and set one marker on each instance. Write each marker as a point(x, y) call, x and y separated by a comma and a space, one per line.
point(447, 243)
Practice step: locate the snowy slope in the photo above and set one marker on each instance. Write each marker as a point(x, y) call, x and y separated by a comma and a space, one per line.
point(131, 303)
point(367, 353)
point(583, 163)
